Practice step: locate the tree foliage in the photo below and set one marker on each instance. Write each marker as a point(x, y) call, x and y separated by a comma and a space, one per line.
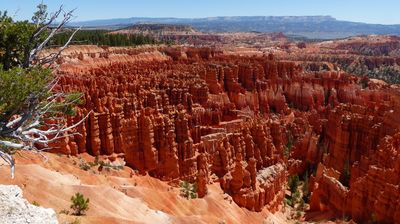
point(40, 16)
point(15, 40)
point(102, 37)
point(16, 86)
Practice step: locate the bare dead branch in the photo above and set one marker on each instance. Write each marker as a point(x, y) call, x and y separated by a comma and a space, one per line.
point(10, 160)
point(49, 59)
point(34, 52)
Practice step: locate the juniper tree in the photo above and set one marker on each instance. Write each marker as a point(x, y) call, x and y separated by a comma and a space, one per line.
point(27, 84)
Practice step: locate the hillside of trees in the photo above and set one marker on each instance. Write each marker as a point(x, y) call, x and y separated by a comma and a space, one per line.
point(102, 37)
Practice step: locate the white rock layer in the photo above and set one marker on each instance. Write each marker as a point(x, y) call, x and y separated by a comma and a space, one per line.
point(14, 209)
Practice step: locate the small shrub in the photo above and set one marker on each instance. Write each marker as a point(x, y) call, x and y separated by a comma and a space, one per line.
point(374, 219)
point(76, 221)
point(298, 215)
point(64, 211)
point(84, 165)
point(80, 204)
point(306, 186)
point(289, 145)
point(296, 197)
point(288, 201)
point(108, 166)
point(95, 163)
point(346, 218)
point(293, 182)
point(302, 204)
point(35, 203)
point(188, 190)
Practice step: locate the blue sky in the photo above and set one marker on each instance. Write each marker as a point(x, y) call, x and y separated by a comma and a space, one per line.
point(370, 11)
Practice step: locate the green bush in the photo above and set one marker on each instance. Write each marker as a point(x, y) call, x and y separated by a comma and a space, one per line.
point(80, 204)
point(188, 190)
point(288, 201)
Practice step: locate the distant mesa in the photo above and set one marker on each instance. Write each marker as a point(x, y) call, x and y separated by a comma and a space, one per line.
point(158, 29)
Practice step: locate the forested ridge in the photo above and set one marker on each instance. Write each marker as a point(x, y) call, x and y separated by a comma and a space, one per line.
point(102, 37)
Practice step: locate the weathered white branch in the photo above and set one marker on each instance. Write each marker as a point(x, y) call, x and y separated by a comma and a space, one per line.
point(13, 122)
point(10, 160)
point(11, 144)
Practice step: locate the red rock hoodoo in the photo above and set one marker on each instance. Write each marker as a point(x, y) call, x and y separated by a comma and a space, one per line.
point(201, 115)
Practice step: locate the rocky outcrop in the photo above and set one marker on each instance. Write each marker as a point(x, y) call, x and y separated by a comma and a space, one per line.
point(362, 181)
point(373, 191)
point(374, 185)
point(16, 209)
point(254, 190)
